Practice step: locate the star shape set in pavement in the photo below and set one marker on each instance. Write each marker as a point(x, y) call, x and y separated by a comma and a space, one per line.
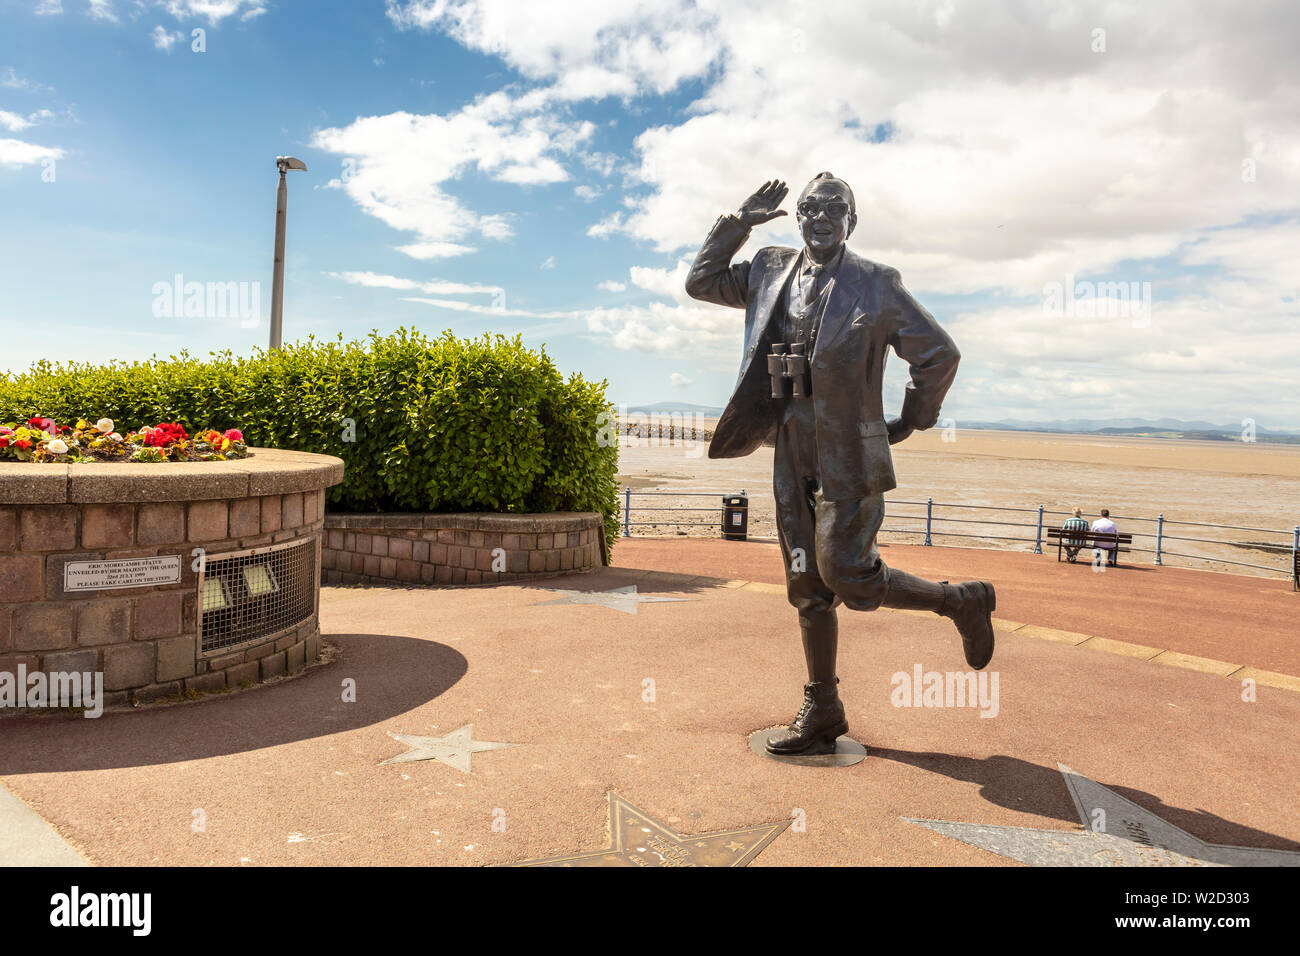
point(1131, 836)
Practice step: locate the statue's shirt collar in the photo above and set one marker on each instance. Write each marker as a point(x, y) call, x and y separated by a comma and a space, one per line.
point(807, 265)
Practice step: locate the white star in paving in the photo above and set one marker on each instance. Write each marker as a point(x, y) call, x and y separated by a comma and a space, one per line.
point(623, 599)
point(1127, 835)
point(455, 749)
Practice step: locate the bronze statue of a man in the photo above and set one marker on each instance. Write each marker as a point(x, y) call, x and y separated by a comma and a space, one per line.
point(818, 323)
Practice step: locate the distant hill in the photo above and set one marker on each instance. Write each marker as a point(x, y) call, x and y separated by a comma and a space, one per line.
point(1175, 428)
point(1141, 427)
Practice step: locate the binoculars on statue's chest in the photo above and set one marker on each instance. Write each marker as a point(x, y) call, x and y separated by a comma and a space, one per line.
point(787, 365)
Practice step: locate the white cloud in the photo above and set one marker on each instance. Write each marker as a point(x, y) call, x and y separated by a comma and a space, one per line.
point(434, 250)
point(609, 285)
point(666, 329)
point(707, 332)
point(476, 308)
point(15, 153)
point(999, 120)
point(678, 380)
point(432, 287)
point(595, 49)
point(162, 40)
point(214, 10)
point(49, 8)
point(587, 193)
point(1217, 350)
point(495, 227)
point(400, 162)
point(990, 149)
point(15, 121)
point(600, 163)
point(711, 334)
point(102, 10)
point(980, 137)
point(10, 80)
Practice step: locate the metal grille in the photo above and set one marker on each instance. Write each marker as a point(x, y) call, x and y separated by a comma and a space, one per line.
point(252, 594)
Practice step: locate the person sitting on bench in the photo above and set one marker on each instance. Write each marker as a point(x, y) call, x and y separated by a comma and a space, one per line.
point(1105, 525)
point(1078, 540)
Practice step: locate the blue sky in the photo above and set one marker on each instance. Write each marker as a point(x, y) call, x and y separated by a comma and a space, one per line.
point(494, 165)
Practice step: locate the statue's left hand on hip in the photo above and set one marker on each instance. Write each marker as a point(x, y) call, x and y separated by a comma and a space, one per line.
point(898, 430)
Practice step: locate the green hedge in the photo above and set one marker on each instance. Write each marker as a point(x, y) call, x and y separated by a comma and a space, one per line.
point(441, 424)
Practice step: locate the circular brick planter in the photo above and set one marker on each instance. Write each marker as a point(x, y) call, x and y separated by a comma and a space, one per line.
point(460, 549)
point(227, 555)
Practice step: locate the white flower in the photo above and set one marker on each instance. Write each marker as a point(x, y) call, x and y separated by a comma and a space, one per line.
point(57, 446)
point(104, 425)
point(115, 436)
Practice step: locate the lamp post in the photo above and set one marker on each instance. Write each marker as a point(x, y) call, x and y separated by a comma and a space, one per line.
point(284, 164)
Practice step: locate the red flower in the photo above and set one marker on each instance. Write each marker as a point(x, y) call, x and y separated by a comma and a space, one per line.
point(167, 433)
point(23, 443)
point(4, 441)
point(234, 434)
point(44, 424)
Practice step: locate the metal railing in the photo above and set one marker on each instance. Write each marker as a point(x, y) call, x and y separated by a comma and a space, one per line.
point(627, 508)
point(932, 525)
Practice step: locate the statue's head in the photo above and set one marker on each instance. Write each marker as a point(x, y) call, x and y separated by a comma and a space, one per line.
point(826, 214)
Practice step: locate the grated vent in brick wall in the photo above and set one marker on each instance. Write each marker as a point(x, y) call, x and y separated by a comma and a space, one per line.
point(253, 594)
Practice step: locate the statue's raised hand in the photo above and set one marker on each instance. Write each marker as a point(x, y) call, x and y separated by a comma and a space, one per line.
point(762, 206)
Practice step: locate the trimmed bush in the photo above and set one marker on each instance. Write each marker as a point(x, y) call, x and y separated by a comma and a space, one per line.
point(423, 424)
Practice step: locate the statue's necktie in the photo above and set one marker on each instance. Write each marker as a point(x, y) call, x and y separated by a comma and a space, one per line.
point(807, 303)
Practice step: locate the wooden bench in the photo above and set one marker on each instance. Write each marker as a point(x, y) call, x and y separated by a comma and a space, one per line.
point(1106, 540)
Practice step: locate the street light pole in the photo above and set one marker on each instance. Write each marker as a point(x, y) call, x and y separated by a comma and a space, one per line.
point(284, 164)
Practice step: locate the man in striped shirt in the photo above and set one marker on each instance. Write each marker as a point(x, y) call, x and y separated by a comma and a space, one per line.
point(1073, 543)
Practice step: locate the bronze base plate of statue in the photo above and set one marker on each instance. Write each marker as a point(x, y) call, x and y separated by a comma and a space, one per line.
point(818, 324)
point(843, 751)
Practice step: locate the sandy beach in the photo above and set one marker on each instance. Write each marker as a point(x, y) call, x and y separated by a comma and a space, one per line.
point(1248, 485)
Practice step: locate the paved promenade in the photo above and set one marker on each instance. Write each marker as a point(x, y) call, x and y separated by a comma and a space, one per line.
point(646, 715)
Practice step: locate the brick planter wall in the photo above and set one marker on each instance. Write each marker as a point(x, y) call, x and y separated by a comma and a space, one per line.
point(145, 639)
point(458, 549)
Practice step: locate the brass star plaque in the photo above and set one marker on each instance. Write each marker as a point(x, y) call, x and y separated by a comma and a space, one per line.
point(637, 839)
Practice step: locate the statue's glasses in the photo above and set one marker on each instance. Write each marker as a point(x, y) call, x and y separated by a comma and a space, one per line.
point(835, 209)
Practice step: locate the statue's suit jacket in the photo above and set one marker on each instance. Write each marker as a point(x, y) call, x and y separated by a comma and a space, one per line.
point(867, 311)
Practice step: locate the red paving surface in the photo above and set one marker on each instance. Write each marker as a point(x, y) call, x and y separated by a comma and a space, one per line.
point(1228, 617)
point(290, 774)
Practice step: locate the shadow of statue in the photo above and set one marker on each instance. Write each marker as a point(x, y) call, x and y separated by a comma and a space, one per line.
point(1032, 788)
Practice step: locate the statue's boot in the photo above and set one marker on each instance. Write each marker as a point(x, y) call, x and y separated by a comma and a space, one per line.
point(970, 605)
point(821, 718)
point(816, 727)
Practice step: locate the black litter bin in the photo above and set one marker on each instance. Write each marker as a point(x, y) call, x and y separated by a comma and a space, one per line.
point(735, 517)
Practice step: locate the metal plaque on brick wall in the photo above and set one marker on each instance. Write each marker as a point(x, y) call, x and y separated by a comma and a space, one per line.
point(121, 573)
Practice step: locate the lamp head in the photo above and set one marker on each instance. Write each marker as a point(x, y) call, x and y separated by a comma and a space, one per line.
point(284, 163)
